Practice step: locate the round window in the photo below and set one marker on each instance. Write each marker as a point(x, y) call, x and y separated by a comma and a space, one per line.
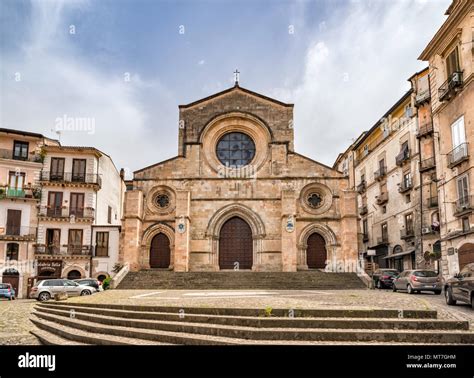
point(314, 200)
point(235, 149)
point(162, 200)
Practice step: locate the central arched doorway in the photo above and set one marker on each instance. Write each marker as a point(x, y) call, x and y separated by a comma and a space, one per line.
point(316, 254)
point(466, 255)
point(235, 245)
point(160, 252)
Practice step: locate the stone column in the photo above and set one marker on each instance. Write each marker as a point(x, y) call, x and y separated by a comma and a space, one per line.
point(289, 248)
point(132, 230)
point(182, 237)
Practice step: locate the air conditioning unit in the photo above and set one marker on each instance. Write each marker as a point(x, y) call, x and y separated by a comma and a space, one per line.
point(426, 230)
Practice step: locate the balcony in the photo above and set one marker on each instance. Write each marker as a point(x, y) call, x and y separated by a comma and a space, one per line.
point(380, 173)
point(67, 213)
point(383, 240)
point(449, 88)
point(402, 157)
point(432, 201)
point(362, 187)
point(407, 233)
point(8, 154)
point(427, 164)
point(425, 129)
point(363, 210)
point(64, 250)
point(24, 193)
point(422, 97)
point(18, 233)
point(405, 186)
point(463, 205)
point(71, 178)
point(458, 155)
point(382, 198)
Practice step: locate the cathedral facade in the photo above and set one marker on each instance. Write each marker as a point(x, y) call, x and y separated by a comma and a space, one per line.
point(238, 197)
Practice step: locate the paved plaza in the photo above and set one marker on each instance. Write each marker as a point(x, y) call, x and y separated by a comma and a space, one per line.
point(15, 326)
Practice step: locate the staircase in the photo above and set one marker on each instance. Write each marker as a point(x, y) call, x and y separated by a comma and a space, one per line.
point(108, 324)
point(241, 280)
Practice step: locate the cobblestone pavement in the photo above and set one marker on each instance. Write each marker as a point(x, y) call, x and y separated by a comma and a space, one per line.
point(15, 326)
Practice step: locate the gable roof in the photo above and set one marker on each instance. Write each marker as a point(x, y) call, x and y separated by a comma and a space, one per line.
point(236, 87)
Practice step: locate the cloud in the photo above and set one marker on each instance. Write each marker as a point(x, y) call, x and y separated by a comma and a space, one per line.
point(356, 67)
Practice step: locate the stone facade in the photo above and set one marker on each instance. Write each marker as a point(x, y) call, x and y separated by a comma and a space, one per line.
point(190, 197)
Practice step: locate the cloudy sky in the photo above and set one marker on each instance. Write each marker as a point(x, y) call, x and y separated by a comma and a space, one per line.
point(124, 66)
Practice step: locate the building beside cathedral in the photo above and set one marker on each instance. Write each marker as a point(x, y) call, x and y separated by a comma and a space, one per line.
point(238, 196)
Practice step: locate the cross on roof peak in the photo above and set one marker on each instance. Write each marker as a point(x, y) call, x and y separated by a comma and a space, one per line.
point(236, 76)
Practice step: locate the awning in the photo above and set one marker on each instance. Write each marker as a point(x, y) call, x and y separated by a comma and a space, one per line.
point(400, 254)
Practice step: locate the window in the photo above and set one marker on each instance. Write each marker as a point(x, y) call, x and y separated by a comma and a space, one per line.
point(12, 251)
point(75, 241)
point(109, 215)
point(16, 181)
point(407, 198)
point(20, 150)
point(466, 226)
point(76, 205)
point(102, 244)
point(235, 149)
point(314, 200)
point(384, 227)
point(365, 228)
point(452, 62)
point(407, 180)
point(409, 223)
point(79, 170)
point(13, 222)
point(55, 203)
point(57, 169)
point(382, 166)
point(53, 240)
point(362, 177)
point(463, 190)
point(458, 134)
point(384, 209)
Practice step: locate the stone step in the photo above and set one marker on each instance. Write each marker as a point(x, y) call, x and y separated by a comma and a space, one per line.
point(253, 312)
point(48, 338)
point(136, 327)
point(158, 279)
point(269, 322)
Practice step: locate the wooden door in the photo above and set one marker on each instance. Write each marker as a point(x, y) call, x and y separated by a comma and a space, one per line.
point(13, 222)
point(466, 255)
point(316, 254)
point(13, 278)
point(57, 169)
point(55, 203)
point(235, 245)
point(76, 204)
point(160, 253)
point(79, 170)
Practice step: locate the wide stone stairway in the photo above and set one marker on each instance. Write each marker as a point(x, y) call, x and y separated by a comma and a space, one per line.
point(241, 280)
point(62, 323)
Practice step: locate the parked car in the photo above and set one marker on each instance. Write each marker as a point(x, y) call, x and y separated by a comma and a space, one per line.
point(414, 281)
point(7, 291)
point(461, 287)
point(89, 282)
point(46, 289)
point(384, 277)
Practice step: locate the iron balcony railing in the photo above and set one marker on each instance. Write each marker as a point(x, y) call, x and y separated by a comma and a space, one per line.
point(407, 233)
point(425, 129)
point(422, 97)
point(363, 210)
point(66, 212)
point(9, 154)
point(70, 177)
point(380, 173)
point(463, 205)
point(20, 231)
point(382, 198)
point(406, 185)
point(450, 86)
point(402, 157)
point(458, 155)
point(427, 164)
point(63, 250)
point(362, 186)
point(432, 201)
point(26, 192)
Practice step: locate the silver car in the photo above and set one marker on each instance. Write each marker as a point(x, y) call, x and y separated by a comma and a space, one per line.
point(46, 289)
point(414, 281)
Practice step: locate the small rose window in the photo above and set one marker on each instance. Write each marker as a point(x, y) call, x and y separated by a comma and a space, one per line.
point(162, 200)
point(314, 200)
